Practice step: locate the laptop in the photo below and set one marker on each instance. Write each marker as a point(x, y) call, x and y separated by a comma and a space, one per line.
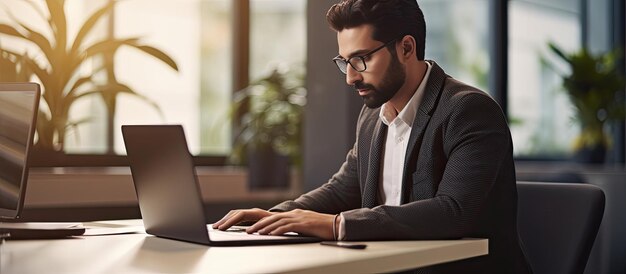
point(19, 106)
point(169, 194)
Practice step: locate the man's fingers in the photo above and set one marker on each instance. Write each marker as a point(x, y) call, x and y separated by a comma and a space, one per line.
point(221, 221)
point(290, 227)
point(263, 222)
point(299, 221)
point(237, 216)
point(285, 221)
point(234, 219)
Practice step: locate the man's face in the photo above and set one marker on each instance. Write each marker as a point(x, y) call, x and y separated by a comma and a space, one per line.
point(384, 74)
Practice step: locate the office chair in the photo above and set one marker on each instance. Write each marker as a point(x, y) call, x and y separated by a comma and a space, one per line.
point(558, 223)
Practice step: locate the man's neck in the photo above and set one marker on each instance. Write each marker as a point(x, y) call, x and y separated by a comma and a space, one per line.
point(415, 74)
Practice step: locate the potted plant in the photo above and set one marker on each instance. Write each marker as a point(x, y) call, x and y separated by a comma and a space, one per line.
point(595, 88)
point(57, 65)
point(268, 132)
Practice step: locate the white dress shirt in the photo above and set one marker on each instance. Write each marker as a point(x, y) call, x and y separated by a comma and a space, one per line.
point(398, 132)
point(399, 127)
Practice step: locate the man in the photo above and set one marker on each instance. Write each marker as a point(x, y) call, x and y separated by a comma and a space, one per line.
point(433, 156)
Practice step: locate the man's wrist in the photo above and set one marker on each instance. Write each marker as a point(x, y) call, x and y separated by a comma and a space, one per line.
point(341, 226)
point(335, 226)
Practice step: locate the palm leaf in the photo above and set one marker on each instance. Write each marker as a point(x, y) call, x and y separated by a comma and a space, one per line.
point(50, 94)
point(9, 52)
point(69, 100)
point(35, 8)
point(117, 88)
point(40, 41)
point(31, 36)
point(8, 66)
point(106, 46)
point(45, 130)
point(11, 31)
point(157, 54)
point(42, 74)
point(88, 26)
point(25, 73)
point(61, 80)
point(59, 23)
point(78, 83)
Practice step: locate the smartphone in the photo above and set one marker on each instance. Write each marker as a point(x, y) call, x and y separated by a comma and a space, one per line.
point(345, 245)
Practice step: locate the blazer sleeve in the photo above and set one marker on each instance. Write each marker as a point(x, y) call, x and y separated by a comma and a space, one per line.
point(339, 194)
point(476, 140)
point(342, 192)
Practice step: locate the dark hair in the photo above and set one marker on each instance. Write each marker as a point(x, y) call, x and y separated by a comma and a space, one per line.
point(391, 19)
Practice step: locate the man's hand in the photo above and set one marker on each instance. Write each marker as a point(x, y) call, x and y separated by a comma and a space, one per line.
point(301, 221)
point(235, 217)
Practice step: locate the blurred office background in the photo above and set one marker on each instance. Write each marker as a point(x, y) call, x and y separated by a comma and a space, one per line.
point(222, 46)
point(497, 46)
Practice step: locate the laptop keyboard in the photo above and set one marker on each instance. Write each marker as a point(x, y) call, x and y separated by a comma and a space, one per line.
point(233, 229)
point(236, 229)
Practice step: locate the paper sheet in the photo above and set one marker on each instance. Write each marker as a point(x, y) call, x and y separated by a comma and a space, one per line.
point(111, 228)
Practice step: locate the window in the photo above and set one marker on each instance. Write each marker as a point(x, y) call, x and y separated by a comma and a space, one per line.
point(457, 38)
point(539, 111)
point(199, 37)
point(277, 35)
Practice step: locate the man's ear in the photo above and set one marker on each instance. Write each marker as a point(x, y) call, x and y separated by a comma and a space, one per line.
point(408, 46)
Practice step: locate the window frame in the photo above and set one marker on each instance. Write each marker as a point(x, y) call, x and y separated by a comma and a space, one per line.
point(499, 65)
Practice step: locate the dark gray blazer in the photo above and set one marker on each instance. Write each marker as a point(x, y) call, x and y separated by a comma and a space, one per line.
point(458, 181)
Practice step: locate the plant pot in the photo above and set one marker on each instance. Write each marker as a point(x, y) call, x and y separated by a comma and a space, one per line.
point(267, 170)
point(591, 154)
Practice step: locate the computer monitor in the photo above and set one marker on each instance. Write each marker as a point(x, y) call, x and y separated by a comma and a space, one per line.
point(19, 104)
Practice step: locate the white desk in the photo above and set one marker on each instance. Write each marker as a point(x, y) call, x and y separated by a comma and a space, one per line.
point(141, 253)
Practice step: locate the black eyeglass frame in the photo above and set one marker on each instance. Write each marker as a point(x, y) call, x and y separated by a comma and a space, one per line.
point(343, 63)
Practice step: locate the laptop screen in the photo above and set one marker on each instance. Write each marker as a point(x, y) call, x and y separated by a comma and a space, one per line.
point(18, 106)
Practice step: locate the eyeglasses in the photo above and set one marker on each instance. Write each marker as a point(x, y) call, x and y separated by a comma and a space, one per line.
point(357, 62)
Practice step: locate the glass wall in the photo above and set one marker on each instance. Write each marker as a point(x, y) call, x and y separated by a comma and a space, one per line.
point(539, 110)
point(457, 38)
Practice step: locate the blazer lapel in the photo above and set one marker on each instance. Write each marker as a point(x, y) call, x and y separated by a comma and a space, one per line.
point(370, 192)
point(431, 96)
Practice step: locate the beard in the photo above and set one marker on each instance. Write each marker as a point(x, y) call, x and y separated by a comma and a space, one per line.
point(392, 81)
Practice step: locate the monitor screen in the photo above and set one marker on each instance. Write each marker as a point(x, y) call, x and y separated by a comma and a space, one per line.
point(18, 105)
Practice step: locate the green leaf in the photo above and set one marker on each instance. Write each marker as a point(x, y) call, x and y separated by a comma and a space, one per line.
point(559, 52)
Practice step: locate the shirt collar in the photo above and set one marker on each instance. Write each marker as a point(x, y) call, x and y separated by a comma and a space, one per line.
point(407, 115)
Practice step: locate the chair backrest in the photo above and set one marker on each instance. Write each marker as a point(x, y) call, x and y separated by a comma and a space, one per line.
point(558, 223)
